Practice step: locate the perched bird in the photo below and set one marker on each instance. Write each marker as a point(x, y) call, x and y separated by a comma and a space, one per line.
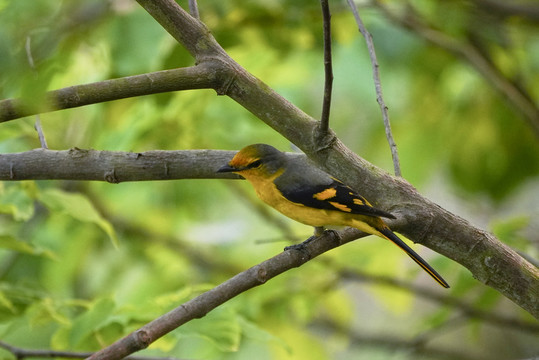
point(300, 190)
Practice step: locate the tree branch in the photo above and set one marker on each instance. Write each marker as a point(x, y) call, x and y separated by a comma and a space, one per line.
point(489, 260)
point(187, 30)
point(21, 353)
point(378, 87)
point(193, 9)
point(204, 303)
point(328, 85)
point(113, 167)
point(203, 76)
point(207, 261)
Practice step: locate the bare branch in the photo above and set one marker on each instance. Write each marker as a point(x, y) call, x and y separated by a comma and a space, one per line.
point(187, 30)
point(21, 353)
point(328, 85)
point(378, 87)
point(241, 86)
point(204, 303)
point(113, 167)
point(203, 76)
point(193, 9)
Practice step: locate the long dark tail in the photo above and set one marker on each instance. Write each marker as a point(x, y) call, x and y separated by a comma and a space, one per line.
point(411, 253)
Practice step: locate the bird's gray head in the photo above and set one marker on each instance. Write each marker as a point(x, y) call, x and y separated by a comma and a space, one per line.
point(262, 158)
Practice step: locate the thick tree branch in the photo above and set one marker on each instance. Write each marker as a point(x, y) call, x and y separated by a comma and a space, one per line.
point(241, 86)
point(203, 76)
point(489, 260)
point(186, 29)
point(113, 167)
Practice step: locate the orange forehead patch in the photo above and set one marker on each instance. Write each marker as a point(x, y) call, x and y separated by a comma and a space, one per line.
point(245, 156)
point(325, 194)
point(240, 160)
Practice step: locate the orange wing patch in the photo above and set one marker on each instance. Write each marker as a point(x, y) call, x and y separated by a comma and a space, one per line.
point(325, 194)
point(358, 201)
point(340, 206)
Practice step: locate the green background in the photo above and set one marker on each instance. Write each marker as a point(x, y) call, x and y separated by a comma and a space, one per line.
point(84, 263)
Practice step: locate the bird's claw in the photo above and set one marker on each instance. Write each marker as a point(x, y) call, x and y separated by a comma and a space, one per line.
point(300, 246)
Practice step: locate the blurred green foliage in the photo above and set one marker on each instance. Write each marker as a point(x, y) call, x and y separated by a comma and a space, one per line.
point(82, 264)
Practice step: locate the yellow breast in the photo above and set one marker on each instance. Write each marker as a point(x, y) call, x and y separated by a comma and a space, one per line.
point(268, 192)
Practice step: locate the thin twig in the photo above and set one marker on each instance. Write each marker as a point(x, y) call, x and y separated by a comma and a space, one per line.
point(515, 94)
point(22, 353)
point(393, 343)
point(378, 87)
point(328, 85)
point(37, 124)
point(463, 307)
point(193, 9)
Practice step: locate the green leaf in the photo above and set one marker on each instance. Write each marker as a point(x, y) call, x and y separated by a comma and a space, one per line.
point(5, 303)
point(97, 316)
point(220, 327)
point(79, 207)
point(17, 201)
point(44, 312)
point(10, 243)
point(252, 331)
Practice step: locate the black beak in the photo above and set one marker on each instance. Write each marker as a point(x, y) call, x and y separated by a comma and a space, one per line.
point(226, 168)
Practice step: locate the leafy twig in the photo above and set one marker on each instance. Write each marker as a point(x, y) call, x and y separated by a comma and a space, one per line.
point(378, 87)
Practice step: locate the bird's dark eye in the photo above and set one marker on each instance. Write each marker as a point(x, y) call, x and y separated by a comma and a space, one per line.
point(255, 164)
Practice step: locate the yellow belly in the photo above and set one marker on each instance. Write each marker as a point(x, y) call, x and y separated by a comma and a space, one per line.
point(267, 191)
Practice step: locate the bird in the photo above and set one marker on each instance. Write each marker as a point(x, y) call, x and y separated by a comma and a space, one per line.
point(300, 190)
